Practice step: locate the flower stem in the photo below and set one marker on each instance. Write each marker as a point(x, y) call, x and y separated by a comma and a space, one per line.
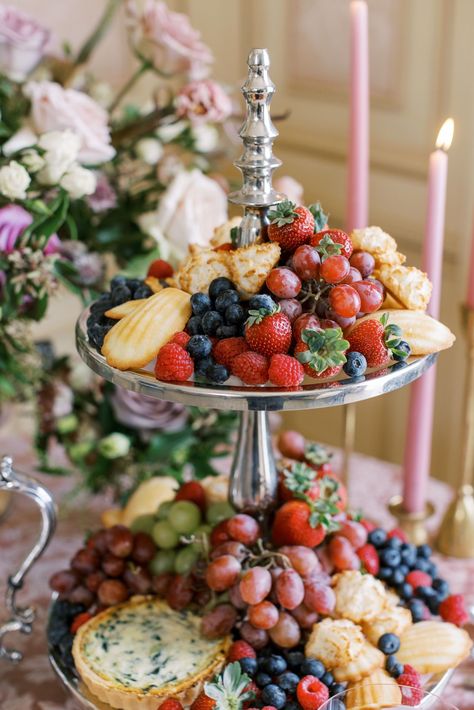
point(128, 85)
point(93, 40)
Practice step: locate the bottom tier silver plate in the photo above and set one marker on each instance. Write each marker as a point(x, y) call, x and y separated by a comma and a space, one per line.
point(84, 699)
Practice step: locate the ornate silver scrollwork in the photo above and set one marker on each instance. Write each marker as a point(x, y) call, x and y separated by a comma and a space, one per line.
point(22, 617)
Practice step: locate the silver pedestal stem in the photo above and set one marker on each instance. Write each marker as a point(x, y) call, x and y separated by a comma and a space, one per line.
point(253, 477)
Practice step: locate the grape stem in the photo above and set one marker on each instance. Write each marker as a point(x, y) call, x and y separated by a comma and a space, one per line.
point(268, 558)
point(314, 290)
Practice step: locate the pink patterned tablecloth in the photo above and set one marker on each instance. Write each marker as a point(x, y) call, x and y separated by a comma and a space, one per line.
point(32, 685)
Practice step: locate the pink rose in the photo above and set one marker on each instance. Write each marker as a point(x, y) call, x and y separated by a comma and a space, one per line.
point(104, 198)
point(290, 187)
point(147, 413)
point(22, 42)
point(54, 108)
point(13, 222)
point(167, 39)
point(203, 102)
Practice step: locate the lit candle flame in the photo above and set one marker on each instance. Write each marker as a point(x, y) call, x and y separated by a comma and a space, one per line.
point(445, 135)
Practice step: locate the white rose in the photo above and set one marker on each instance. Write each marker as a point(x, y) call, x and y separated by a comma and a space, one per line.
point(149, 150)
point(190, 209)
point(149, 225)
point(62, 148)
point(14, 181)
point(32, 161)
point(206, 138)
point(114, 446)
point(78, 182)
point(170, 131)
point(23, 138)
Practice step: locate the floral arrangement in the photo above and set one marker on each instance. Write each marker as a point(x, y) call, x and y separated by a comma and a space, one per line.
point(86, 174)
point(116, 438)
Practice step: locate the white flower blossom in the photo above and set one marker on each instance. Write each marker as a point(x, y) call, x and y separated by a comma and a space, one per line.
point(169, 131)
point(14, 181)
point(32, 161)
point(206, 138)
point(150, 150)
point(114, 445)
point(61, 150)
point(78, 182)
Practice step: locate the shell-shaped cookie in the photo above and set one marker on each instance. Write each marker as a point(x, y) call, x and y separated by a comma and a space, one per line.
point(434, 646)
point(379, 690)
point(124, 309)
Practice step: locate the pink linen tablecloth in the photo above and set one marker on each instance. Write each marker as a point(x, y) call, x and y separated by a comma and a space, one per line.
point(32, 685)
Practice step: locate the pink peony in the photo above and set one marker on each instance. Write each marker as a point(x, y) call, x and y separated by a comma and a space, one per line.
point(203, 102)
point(13, 222)
point(54, 108)
point(22, 42)
point(104, 198)
point(167, 39)
point(147, 413)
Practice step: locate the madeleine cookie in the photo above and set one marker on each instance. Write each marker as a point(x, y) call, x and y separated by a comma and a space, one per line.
point(250, 266)
point(434, 646)
point(379, 690)
point(124, 309)
point(367, 661)
point(381, 245)
point(393, 620)
point(407, 284)
point(335, 642)
point(358, 596)
point(154, 283)
point(135, 340)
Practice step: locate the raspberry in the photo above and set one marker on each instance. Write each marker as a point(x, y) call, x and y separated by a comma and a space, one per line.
point(285, 371)
point(240, 649)
point(369, 557)
point(417, 578)
point(180, 338)
point(396, 532)
point(160, 269)
point(311, 693)
point(453, 609)
point(79, 620)
point(251, 368)
point(194, 492)
point(170, 705)
point(226, 350)
point(410, 685)
point(173, 363)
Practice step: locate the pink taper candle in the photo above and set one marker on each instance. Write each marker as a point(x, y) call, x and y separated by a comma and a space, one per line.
point(470, 284)
point(358, 179)
point(420, 418)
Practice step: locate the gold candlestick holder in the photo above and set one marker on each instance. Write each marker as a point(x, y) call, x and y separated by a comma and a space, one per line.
point(413, 524)
point(456, 533)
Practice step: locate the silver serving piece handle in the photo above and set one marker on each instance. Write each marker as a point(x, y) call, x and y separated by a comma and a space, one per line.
point(22, 617)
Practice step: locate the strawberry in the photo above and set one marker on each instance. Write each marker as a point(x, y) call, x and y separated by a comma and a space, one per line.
point(194, 492)
point(332, 241)
point(285, 371)
point(376, 340)
point(79, 620)
point(251, 368)
point(311, 693)
point(299, 523)
point(240, 649)
point(225, 350)
point(318, 457)
point(453, 609)
point(320, 217)
point(173, 363)
point(410, 683)
point(298, 480)
point(160, 269)
point(400, 534)
point(290, 226)
point(268, 331)
point(171, 705)
point(203, 702)
point(180, 338)
point(417, 578)
point(322, 352)
point(304, 322)
point(369, 557)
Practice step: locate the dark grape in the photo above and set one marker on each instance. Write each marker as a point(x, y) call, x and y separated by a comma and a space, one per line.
point(137, 579)
point(161, 582)
point(180, 592)
point(218, 622)
point(81, 595)
point(119, 541)
point(94, 580)
point(113, 566)
point(64, 581)
point(111, 592)
point(85, 561)
point(144, 549)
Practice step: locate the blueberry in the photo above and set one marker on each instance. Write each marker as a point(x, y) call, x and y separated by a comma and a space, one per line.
point(133, 284)
point(199, 346)
point(398, 577)
point(294, 659)
point(210, 322)
point(288, 681)
point(404, 569)
point(265, 652)
point(405, 591)
point(441, 586)
point(249, 666)
point(312, 667)
point(389, 644)
point(433, 603)
point(142, 291)
point(417, 609)
point(273, 695)
point(424, 551)
point(384, 573)
point(118, 281)
point(377, 537)
point(432, 569)
point(335, 689)
point(200, 303)
point(262, 301)
point(101, 305)
point(219, 285)
point(393, 666)
point(403, 351)
point(263, 679)
point(422, 564)
point(225, 299)
point(201, 366)
point(194, 325)
point(424, 592)
point(217, 374)
point(234, 314)
point(327, 678)
point(393, 543)
point(389, 558)
point(121, 294)
point(355, 365)
point(408, 554)
point(227, 331)
point(275, 665)
point(292, 705)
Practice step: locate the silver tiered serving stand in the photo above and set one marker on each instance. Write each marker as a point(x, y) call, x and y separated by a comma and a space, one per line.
point(253, 479)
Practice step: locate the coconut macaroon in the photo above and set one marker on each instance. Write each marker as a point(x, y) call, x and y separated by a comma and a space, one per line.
point(381, 245)
point(407, 284)
point(359, 597)
point(335, 642)
point(393, 620)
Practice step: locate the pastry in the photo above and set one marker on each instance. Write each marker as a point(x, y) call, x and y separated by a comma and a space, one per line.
point(394, 620)
point(335, 642)
point(381, 245)
point(379, 690)
point(407, 284)
point(124, 309)
point(222, 234)
point(434, 646)
point(135, 340)
point(250, 266)
point(366, 662)
point(200, 268)
point(154, 283)
point(128, 655)
point(358, 596)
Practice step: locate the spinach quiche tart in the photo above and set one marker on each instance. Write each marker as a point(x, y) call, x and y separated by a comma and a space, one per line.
point(136, 654)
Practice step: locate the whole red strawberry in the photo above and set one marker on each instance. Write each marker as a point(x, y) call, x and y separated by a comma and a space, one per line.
point(285, 371)
point(375, 339)
point(453, 609)
point(173, 363)
point(368, 555)
point(203, 702)
point(304, 322)
point(268, 331)
point(160, 269)
point(297, 480)
point(227, 349)
point(251, 368)
point(194, 492)
point(321, 352)
point(290, 226)
point(336, 237)
point(296, 523)
point(170, 705)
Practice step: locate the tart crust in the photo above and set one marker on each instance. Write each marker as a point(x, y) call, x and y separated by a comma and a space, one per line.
point(111, 691)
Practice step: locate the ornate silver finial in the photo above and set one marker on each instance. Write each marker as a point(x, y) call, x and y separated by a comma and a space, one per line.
point(257, 162)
